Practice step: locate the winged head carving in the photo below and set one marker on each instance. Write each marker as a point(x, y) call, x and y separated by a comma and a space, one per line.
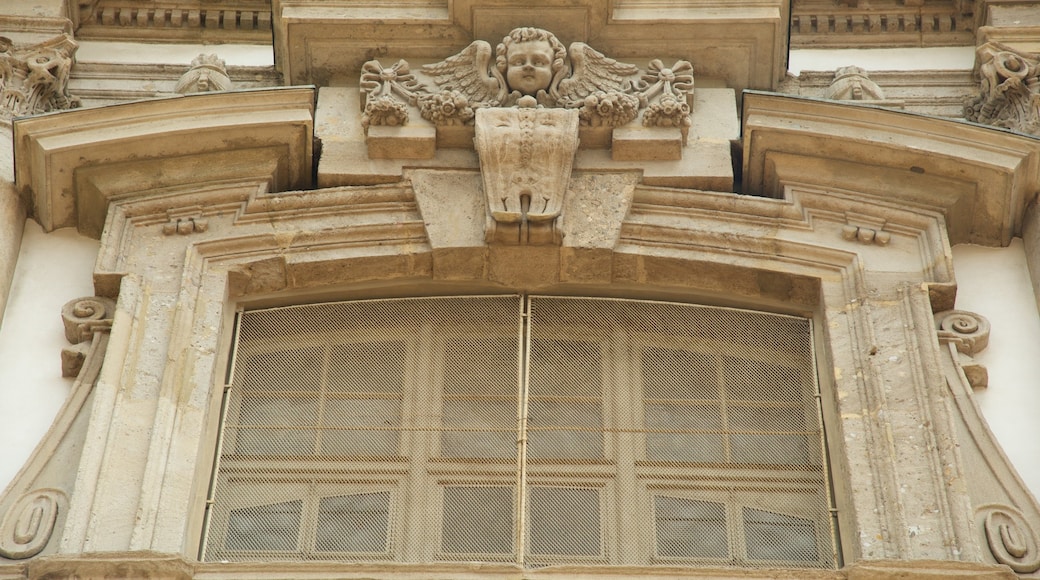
point(532, 64)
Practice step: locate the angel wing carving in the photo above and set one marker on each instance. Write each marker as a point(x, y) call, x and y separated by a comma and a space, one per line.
point(592, 71)
point(468, 73)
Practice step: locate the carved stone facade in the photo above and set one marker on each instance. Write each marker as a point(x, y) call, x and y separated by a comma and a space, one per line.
point(574, 158)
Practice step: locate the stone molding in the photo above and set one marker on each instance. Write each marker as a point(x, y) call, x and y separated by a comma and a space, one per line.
point(940, 93)
point(881, 23)
point(203, 136)
point(243, 21)
point(325, 42)
point(980, 179)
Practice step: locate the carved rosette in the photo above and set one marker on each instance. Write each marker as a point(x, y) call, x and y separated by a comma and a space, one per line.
point(34, 79)
point(1009, 94)
point(29, 524)
point(969, 333)
point(1010, 538)
point(526, 155)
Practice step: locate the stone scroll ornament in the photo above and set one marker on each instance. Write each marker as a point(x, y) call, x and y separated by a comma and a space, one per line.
point(34, 78)
point(1010, 89)
point(27, 527)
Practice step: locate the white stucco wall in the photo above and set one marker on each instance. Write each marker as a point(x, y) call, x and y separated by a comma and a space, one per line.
point(52, 269)
point(994, 282)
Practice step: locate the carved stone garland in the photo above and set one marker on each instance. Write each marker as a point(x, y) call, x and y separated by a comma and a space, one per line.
point(34, 79)
point(1010, 89)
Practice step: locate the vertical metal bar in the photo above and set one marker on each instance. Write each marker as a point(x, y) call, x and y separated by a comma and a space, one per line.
point(229, 380)
point(828, 483)
point(523, 384)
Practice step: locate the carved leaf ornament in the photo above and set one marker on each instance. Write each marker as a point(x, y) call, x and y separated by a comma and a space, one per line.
point(1009, 94)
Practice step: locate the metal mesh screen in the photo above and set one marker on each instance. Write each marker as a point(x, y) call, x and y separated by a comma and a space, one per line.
point(538, 430)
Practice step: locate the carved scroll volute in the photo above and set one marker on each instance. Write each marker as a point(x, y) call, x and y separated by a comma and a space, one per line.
point(526, 155)
point(28, 525)
point(83, 317)
point(969, 334)
point(1010, 538)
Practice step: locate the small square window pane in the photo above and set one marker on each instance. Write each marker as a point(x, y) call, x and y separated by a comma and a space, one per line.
point(673, 433)
point(274, 425)
point(362, 427)
point(680, 374)
point(773, 536)
point(353, 523)
point(564, 521)
point(479, 429)
point(478, 520)
point(689, 528)
point(272, 527)
point(367, 367)
point(564, 429)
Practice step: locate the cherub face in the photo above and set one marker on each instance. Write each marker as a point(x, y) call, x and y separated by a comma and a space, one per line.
point(529, 66)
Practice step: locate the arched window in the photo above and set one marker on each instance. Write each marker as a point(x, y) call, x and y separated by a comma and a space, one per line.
point(537, 430)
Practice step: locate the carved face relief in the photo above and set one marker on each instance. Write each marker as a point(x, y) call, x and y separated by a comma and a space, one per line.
point(529, 66)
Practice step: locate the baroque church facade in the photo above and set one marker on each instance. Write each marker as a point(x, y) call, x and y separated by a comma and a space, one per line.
point(502, 289)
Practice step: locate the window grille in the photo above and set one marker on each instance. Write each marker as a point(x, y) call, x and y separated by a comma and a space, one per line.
point(535, 430)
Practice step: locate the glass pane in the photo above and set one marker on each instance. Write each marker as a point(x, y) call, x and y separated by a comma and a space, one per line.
point(773, 536)
point(763, 440)
point(281, 370)
point(261, 417)
point(670, 438)
point(564, 521)
point(266, 527)
point(478, 520)
point(353, 523)
point(367, 367)
point(479, 429)
point(565, 410)
point(480, 397)
point(688, 528)
point(361, 427)
point(564, 429)
point(679, 374)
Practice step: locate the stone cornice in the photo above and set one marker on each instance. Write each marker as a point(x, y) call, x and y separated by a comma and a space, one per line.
point(244, 21)
point(980, 178)
point(63, 159)
point(881, 23)
point(326, 42)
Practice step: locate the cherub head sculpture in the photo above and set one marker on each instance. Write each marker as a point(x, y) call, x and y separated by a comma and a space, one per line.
point(530, 59)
